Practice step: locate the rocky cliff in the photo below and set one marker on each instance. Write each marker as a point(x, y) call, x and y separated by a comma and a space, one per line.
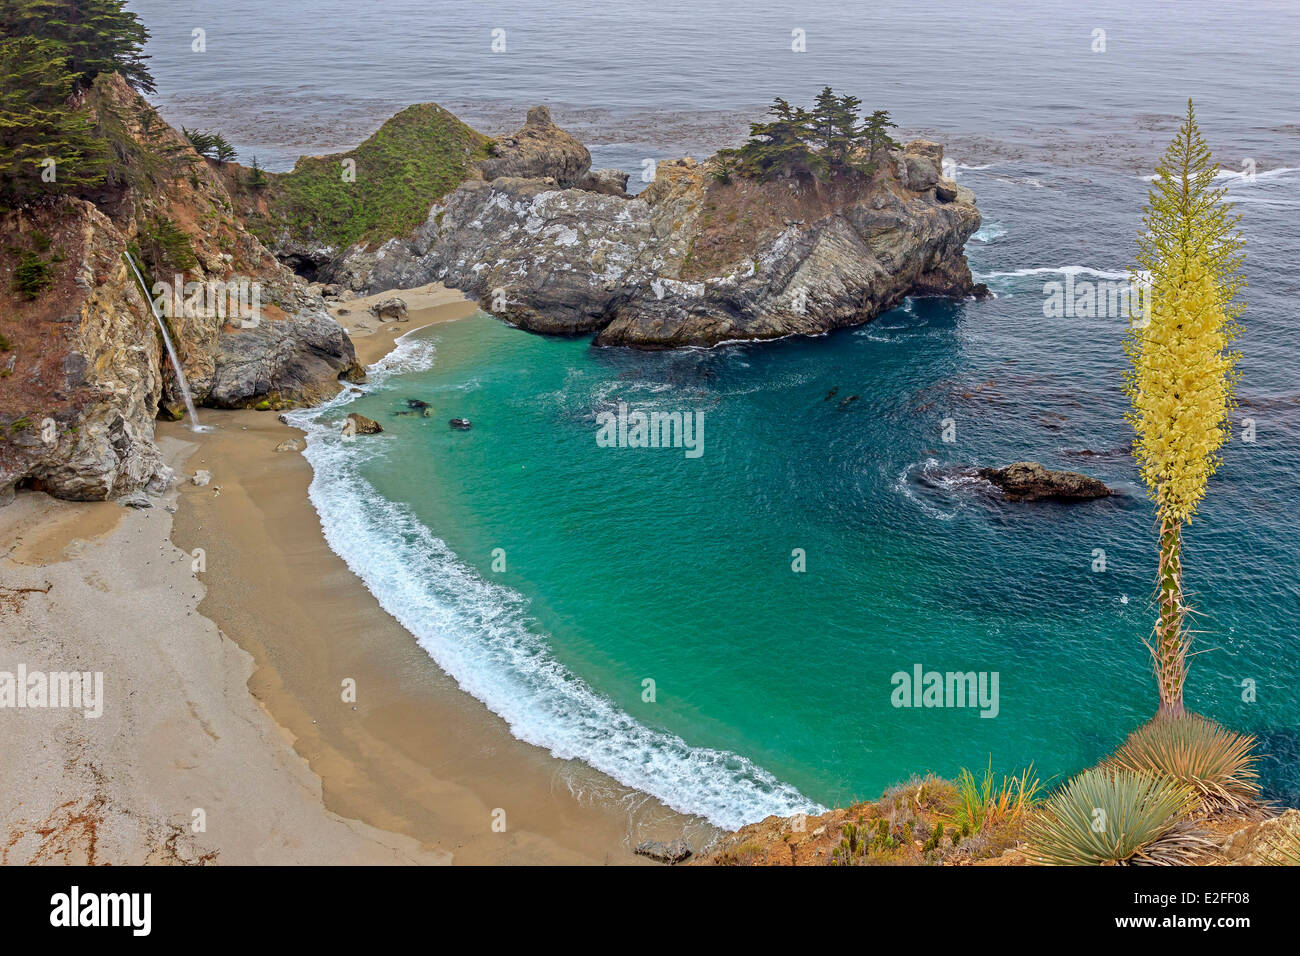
point(79, 367)
point(82, 372)
point(697, 258)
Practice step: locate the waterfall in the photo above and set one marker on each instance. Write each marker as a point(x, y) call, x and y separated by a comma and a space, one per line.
point(171, 349)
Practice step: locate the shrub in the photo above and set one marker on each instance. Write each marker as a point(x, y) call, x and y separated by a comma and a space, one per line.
point(987, 802)
point(163, 246)
point(1107, 816)
point(935, 837)
point(32, 275)
point(1217, 763)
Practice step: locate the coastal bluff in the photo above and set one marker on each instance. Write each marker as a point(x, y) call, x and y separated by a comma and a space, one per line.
point(697, 258)
point(83, 368)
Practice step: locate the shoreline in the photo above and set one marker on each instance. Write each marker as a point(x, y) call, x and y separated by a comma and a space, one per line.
point(414, 770)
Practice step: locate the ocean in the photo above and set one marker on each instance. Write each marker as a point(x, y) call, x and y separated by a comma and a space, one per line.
point(724, 631)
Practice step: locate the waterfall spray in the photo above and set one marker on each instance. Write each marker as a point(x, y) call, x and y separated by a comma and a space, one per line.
point(171, 349)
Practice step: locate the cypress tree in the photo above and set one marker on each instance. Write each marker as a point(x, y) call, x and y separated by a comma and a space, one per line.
point(46, 147)
point(98, 36)
point(875, 136)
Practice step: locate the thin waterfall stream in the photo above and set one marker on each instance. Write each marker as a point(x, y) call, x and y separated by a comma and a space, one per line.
point(171, 349)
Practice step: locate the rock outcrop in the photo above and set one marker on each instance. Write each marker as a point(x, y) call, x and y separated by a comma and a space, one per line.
point(611, 182)
point(79, 365)
point(392, 309)
point(1030, 481)
point(539, 150)
point(670, 853)
point(696, 259)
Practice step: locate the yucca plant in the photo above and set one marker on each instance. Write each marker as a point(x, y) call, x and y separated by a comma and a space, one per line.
point(1282, 848)
point(1217, 763)
point(1107, 817)
point(986, 802)
point(1183, 376)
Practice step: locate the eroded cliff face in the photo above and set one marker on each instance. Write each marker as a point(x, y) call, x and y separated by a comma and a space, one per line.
point(82, 371)
point(691, 261)
point(79, 369)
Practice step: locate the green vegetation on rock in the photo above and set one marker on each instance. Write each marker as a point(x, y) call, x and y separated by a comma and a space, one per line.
point(163, 247)
point(34, 272)
point(379, 190)
point(829, 139)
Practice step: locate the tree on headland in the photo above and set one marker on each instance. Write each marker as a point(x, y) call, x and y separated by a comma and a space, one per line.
point(813, 144)
point(781, 146)
point(211, 145)
point(256, 176)
point(1183, 374)
point(46, 147)
point(875, 132)
point(222, 151)
point(97, 36)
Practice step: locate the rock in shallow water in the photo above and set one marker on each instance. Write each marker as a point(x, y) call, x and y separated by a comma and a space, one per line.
point(1030, 481)
point(360, 425)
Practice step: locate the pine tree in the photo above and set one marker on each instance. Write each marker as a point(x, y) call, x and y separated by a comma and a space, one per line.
point(845, 133)
point(810, 143)
point(46, 147)
point(98, 36)
point(825, 114)
point(1183, 375)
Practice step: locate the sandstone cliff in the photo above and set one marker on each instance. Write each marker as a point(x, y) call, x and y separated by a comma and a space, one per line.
point(697, 258)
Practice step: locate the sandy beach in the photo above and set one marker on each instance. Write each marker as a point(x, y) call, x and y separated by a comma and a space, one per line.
point(227, 735)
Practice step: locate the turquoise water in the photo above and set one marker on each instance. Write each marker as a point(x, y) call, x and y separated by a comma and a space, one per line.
point(627, 564)
point(773, 688)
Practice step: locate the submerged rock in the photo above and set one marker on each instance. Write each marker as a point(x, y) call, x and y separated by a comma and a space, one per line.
point(1030, 481)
